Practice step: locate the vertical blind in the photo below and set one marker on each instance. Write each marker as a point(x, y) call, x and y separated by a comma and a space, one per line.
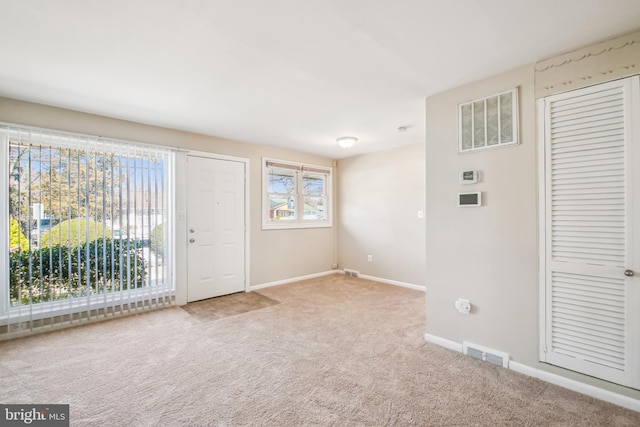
point(89, 224)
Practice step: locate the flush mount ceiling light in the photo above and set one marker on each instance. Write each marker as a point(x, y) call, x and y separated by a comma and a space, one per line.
point(346, 141)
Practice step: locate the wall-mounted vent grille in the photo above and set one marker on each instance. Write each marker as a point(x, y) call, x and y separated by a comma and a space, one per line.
point(488, 355)
point(352, 273)
point(488, 122)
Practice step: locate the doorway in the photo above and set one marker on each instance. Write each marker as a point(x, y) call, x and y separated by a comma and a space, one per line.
point(216, 227)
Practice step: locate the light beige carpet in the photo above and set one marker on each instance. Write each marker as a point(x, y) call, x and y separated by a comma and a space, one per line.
point(336, 351)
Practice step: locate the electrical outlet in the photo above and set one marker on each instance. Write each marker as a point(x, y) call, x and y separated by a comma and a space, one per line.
point(463, 305)
point(369, 258)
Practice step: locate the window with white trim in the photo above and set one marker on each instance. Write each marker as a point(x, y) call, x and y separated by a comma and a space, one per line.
point(488, 122)
point(295, 195)
point(88, 225)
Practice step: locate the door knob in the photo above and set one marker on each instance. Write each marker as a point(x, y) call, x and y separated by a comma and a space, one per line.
point(191, 240)
point(192, 230)
point(628, 273)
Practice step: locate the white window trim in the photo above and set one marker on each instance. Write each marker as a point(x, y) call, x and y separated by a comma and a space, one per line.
point(515, 123)
point(299, 222)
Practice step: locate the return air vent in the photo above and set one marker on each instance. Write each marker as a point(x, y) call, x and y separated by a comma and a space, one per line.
point(488, 355)
point(352, 273)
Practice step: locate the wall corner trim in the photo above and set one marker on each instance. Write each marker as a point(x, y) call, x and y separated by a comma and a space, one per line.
point(577, 386)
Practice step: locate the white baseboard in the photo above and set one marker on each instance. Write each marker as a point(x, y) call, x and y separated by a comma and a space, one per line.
point(327, 273)
point(392, 282)
point(580, 387)
point(524, 369)
point(451, 345)
point(589, 390)
point(577, 386)
point(293, 279)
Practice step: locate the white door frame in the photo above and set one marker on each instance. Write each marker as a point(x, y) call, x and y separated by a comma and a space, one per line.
point(247, 228)
point(542, 228)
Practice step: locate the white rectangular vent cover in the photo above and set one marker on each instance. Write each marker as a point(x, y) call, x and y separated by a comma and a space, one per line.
point(494, 357)
point(352, 273)
point(488, 122)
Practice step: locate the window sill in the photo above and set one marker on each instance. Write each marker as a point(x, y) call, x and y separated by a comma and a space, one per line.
point(295, 225)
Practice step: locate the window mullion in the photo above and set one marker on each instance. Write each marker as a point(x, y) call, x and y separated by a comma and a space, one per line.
point(300, 197)
point(5, 218)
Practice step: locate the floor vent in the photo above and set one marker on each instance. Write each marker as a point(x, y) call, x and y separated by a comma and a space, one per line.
point(352, 273)
point(488, 355)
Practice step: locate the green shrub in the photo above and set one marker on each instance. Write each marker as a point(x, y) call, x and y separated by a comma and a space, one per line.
point(17, 239)
point(73, 233)
point(59, 272)
point(156, 241)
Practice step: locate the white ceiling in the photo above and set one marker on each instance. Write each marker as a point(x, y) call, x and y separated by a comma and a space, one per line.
point(289, 73)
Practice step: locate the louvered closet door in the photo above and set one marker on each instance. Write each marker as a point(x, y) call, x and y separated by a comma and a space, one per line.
point(591, 236)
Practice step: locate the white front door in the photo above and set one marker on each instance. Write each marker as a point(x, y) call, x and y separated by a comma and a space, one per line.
point(591, 226)
point(216, 227)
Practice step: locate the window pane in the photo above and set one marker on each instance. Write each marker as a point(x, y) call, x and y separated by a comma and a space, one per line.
point(506, 118)
point(282, 208)
point(295, 195)
point(87, 221)
point(492, 121)
point(314, 208)
point(478, 124)
point(282, 181)
point(466, 132)
point(313, 184)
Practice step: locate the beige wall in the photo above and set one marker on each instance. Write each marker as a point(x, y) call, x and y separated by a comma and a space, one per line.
point(379, 198)
point(489, 254)
point(486, 254)
point(300, 252)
